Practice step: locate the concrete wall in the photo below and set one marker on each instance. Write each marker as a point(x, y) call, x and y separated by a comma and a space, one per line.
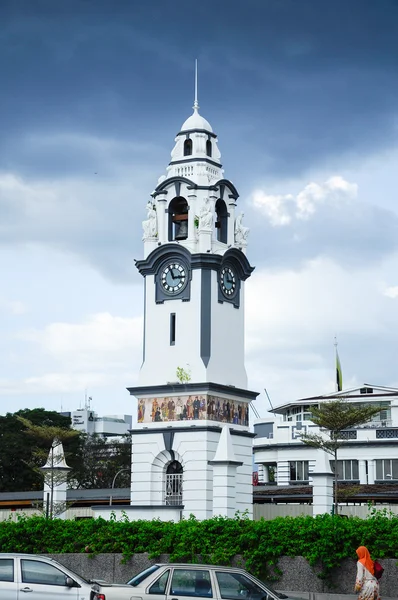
point(297, 574)
point(272, 511)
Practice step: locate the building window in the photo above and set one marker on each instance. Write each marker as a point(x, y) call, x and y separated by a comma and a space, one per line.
point(298, 413)
point(178, 219)
point(222, 221)
point(299, 470)
point(174, 473)
point(347, 470)
point(387, 469)
point(172, 329)
point(208, 148)
point(188, 147)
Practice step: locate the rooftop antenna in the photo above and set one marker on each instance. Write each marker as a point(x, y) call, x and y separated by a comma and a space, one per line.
point(269, 400)
point(195, 104)
point(255, 411)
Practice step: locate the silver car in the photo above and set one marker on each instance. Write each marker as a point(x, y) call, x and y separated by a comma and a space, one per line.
point(40, 578)
point(185, 581)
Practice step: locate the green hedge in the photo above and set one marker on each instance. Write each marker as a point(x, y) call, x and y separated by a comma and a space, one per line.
point(324, 540)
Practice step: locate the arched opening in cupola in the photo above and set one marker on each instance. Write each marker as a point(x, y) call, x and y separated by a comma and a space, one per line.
point(173, 491)
point(209, 148)
point(222, 221)
point(188, 147)
point(178, 219)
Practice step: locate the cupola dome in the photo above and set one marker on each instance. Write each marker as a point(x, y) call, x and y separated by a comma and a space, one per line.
point(196, 121)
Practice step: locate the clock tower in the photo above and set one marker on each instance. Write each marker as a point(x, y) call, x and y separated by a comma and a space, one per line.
point(192, 448)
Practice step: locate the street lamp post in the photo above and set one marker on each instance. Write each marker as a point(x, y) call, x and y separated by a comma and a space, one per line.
point(113, 483)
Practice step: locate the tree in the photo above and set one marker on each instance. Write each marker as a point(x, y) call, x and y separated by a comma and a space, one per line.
point(16, 457)
point(98, 460)
point(335, 416)
point(49, 439)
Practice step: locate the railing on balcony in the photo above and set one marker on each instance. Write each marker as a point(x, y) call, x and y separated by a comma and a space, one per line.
point(386, 433)
point(173, 489)
point(349, 434)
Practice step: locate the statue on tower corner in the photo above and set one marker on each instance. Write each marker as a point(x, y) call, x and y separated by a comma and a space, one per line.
point(241, 232)
point(150, 225)
point(206, 215)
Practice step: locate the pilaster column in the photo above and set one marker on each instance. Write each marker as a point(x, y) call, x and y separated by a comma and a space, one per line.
point(161, 205)
point(371, 471)
point(231, 222)
point(191, 215)
point(362, 472)
point(322, 485)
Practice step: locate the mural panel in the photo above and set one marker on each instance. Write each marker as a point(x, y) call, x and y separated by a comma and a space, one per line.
point(192, 408)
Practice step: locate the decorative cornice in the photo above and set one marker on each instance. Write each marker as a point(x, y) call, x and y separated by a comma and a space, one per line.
point(192, 388)
point(233, 256)
point(190, 160)
point(168, 182)
point(228, 184)
point(232, 463)
point(188, 131)
point(128, 507)
point(196, 428)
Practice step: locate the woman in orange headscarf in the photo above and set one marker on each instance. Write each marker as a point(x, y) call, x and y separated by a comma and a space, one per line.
point(366, 583)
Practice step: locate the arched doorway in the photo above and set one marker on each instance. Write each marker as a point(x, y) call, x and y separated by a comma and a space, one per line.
point(174, 473)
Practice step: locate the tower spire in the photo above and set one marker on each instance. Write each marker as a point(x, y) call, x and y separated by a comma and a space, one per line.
point(195, 104)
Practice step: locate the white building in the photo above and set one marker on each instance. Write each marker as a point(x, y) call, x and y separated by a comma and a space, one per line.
point(368, 456)
point(110, 427)
point(192, 448)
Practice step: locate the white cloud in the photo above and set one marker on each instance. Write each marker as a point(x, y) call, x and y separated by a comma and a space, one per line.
point(276, 208)
point(282, 210)
point(13, 307)
point(293, 316)
point(102, 350)
point(391, 292)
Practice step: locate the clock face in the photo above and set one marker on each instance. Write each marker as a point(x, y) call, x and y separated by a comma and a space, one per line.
point(173, 277)
point(228, 282)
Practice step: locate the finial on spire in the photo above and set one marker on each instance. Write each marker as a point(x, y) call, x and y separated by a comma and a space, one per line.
point(195, 104)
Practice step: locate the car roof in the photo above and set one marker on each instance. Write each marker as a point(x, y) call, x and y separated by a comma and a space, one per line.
point(200, 565)
point(25, 555)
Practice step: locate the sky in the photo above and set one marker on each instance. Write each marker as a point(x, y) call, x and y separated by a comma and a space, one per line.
point(303, 97)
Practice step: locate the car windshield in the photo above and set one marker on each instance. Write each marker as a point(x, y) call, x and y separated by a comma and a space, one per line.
point(143, 575)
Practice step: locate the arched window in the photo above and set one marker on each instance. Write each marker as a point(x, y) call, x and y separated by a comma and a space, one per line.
point(178, 219)
point(208, 148)
point(222, 221)
point(174, 473)
point(187, 147)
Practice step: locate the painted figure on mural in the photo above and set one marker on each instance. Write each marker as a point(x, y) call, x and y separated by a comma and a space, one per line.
point(155, 405)
point(196, 408)
point(163, 408)
point(202, 407)
point(171, 406)
point(141, 411)
point(189, 408)
point(179, 407)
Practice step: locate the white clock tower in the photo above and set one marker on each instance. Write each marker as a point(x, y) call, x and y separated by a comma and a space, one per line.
point(192, 448)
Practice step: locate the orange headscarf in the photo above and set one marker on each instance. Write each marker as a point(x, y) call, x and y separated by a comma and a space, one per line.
point(364, 558)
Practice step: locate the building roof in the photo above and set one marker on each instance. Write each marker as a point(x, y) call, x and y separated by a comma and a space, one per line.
point(377, 392)
point(348, 492)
